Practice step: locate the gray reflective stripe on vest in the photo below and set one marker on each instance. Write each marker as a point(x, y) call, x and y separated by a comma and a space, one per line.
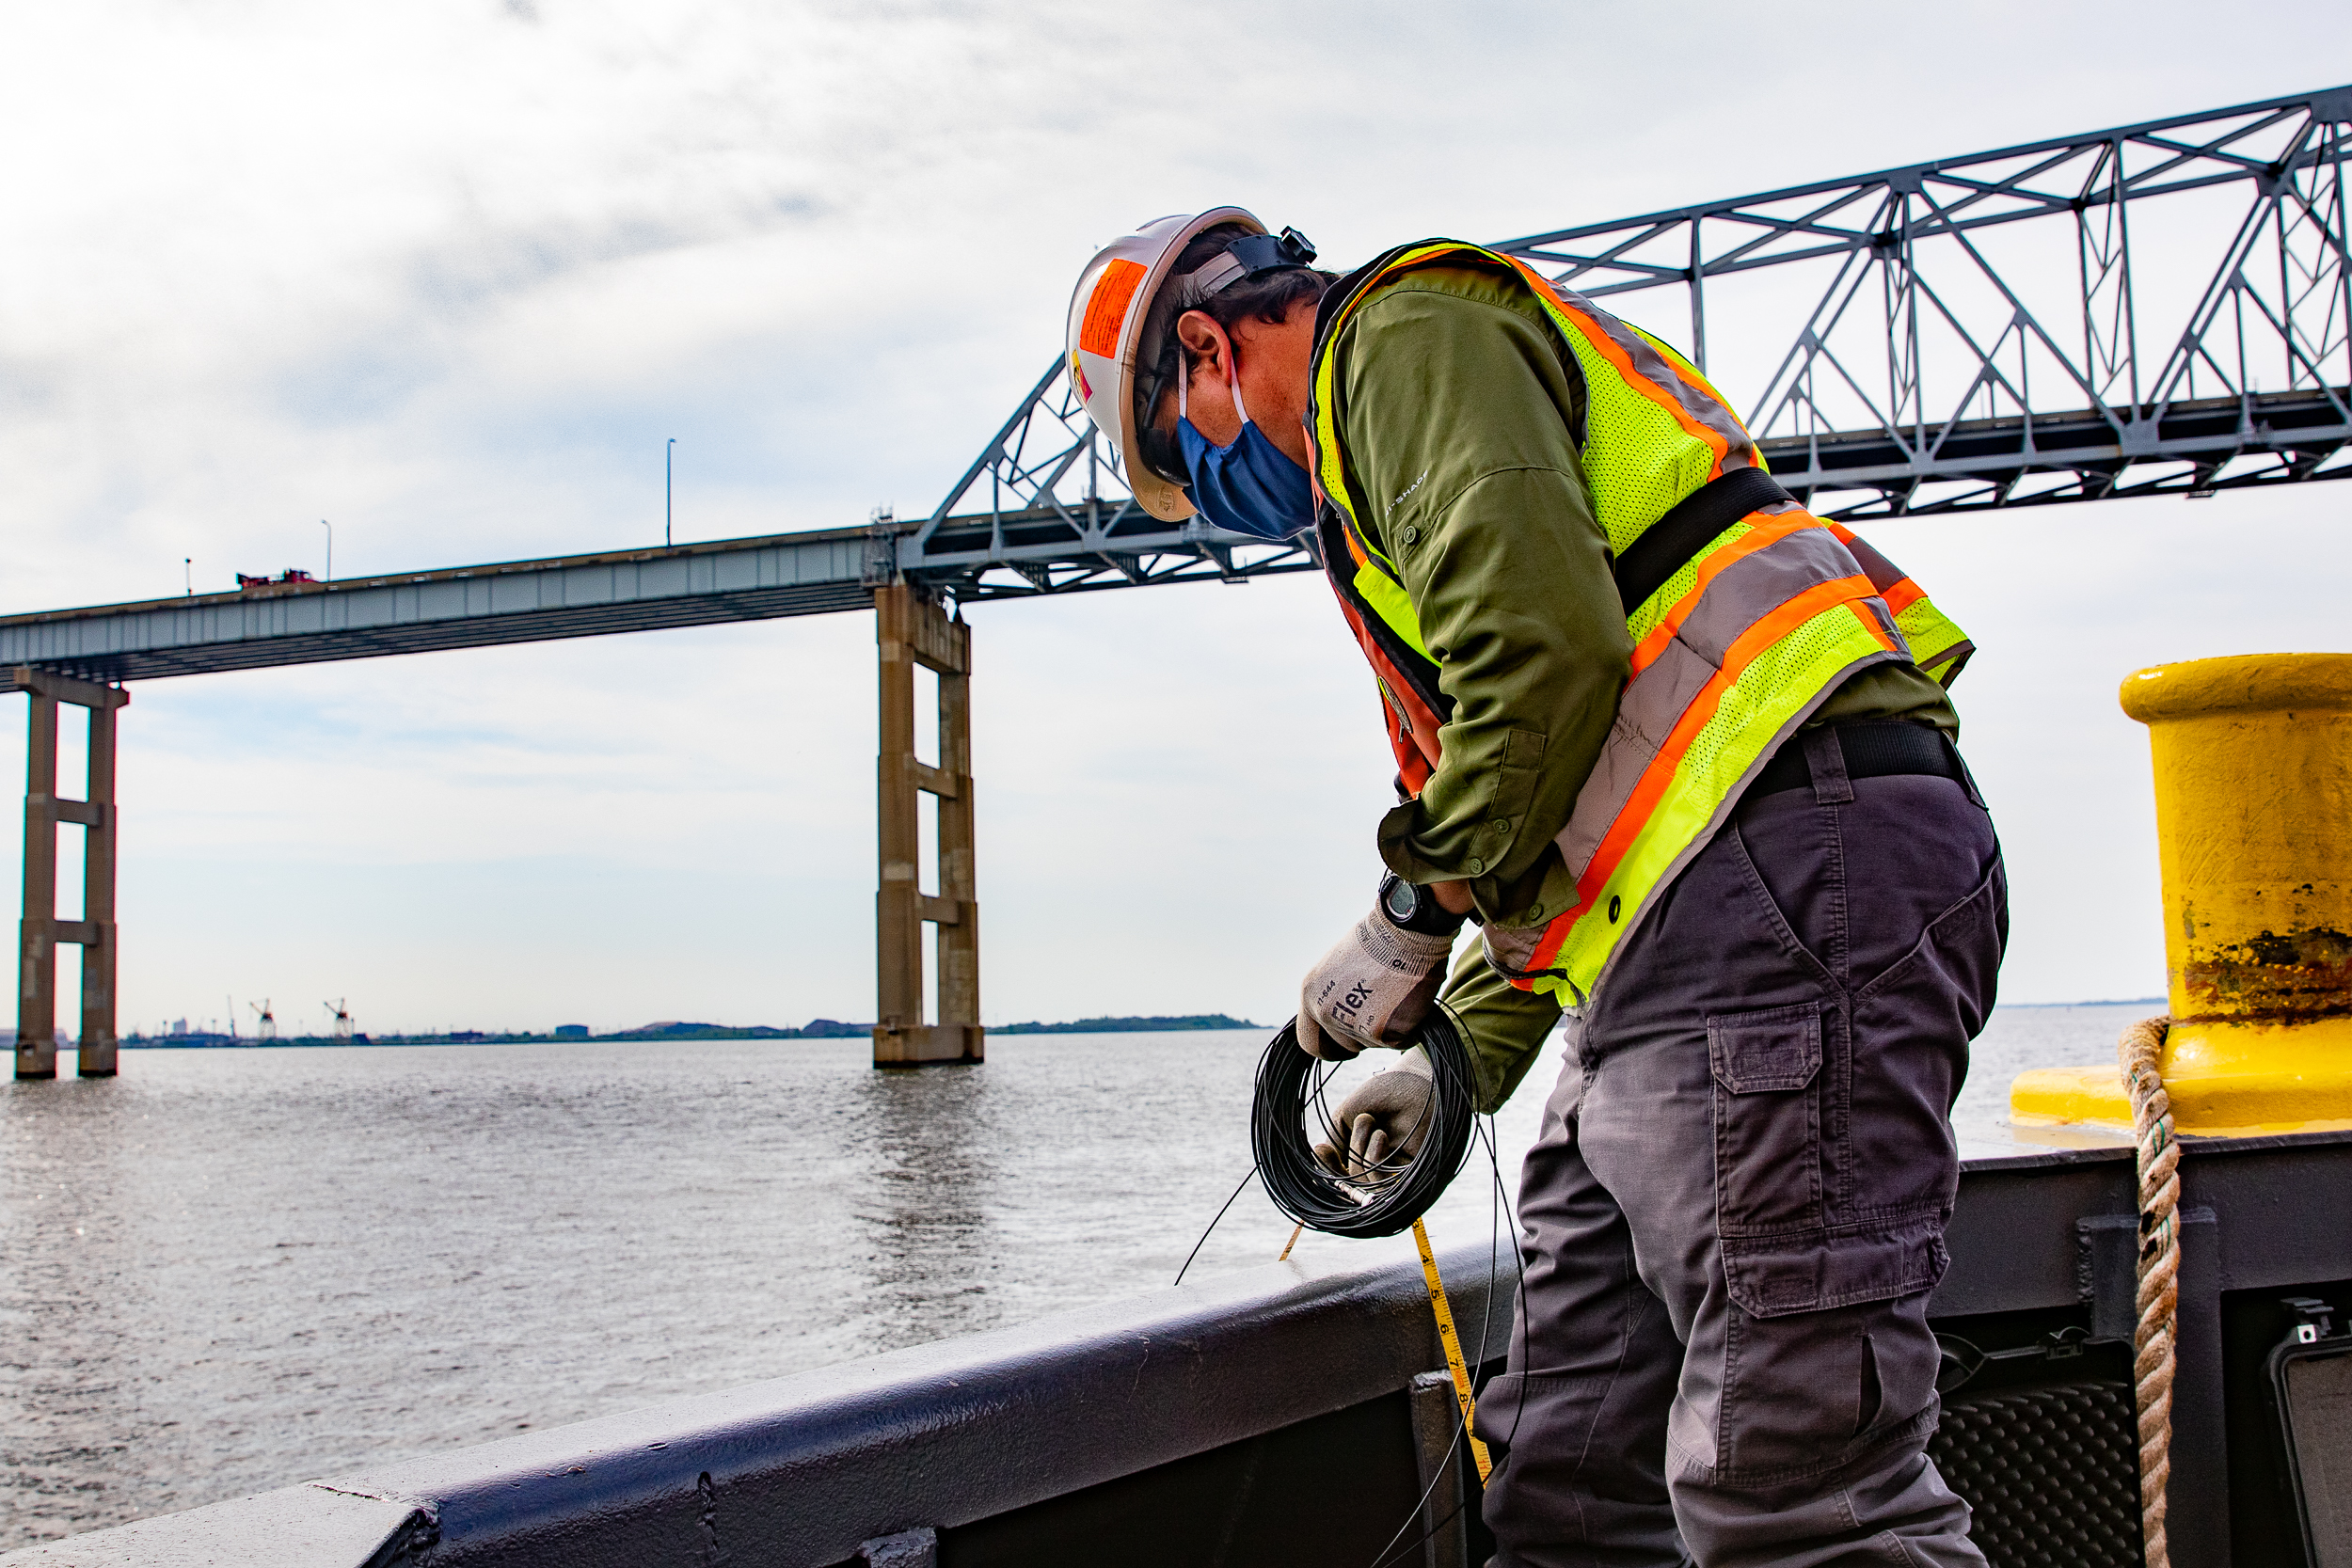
point(1659, 694)
point(1755, 585)
point(1654, 701)
point(1882, 573)
point(1886, 617)
point(1739, 451)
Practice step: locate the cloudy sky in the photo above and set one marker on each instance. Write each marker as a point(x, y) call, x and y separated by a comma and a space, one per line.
point(450, 273)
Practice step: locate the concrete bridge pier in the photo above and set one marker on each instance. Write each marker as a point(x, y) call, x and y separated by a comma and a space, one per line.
point(41, 930)
point(913, 629)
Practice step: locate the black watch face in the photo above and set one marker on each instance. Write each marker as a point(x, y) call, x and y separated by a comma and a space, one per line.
point(1403, 901)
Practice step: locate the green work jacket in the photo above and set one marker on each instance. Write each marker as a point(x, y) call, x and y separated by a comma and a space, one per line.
point(1456, 397)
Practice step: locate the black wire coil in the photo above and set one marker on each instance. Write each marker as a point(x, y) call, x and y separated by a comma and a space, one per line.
point(1396, 1191)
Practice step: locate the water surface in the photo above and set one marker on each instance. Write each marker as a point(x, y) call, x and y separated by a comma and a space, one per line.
point(235, 1269)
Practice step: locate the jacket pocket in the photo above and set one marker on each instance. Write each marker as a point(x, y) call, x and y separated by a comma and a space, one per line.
point(1768, 1119)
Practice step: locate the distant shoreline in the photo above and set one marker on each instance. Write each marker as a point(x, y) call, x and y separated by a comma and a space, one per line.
point(817, 1029)
point(1128, 1025)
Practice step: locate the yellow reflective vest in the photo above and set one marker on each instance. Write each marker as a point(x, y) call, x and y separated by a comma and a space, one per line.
point(1745, 612)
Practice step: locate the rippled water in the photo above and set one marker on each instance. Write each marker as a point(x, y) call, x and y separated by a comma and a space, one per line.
point(230, 1269)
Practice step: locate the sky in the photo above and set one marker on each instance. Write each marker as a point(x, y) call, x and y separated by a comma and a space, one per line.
point(448, 275)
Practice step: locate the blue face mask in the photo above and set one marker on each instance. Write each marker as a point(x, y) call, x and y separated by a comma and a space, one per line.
point(1250, 486)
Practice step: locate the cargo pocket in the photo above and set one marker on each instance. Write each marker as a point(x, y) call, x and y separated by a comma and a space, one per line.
point(1767, 1120)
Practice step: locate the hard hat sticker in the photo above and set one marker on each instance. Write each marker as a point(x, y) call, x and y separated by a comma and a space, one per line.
point(1107, 308)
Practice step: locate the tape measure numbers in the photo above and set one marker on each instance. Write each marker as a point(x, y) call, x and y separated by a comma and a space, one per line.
point(1452, 1344)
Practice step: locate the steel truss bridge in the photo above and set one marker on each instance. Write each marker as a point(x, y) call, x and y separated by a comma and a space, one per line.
point(2155, 309)
point(2163, 309)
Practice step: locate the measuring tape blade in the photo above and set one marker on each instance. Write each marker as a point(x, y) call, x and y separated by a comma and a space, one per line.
point(1452, 1344)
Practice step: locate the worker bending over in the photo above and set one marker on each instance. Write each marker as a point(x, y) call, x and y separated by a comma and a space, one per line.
point(1683, 751)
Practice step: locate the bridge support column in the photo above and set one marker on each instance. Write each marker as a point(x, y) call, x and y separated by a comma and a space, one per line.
point(912, 630)
point(41, 931)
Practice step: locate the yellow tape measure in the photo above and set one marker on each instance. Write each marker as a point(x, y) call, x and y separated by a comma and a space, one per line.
point(1452, 1343)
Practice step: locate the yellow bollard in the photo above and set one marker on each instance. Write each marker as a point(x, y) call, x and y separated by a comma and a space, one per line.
point(2253, 766)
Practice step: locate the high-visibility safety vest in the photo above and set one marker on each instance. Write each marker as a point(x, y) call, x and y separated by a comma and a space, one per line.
point(1745, 612)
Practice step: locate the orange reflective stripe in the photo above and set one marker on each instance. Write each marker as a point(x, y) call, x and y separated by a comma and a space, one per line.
point(1689, 373)
point(1659, 776)
point(1770, 531)
point(1789, 616)
point(1751, 662)
point(1412, 765)
point(1609, 349)
point(1898, 591)
point(1412, 728)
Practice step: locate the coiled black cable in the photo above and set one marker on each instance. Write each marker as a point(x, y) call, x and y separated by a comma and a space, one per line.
point(1387, 1195)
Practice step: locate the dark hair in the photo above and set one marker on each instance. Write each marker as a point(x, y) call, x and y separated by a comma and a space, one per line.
point(1161, 357)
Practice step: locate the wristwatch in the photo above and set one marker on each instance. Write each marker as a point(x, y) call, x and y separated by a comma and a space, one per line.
point(1410, 907)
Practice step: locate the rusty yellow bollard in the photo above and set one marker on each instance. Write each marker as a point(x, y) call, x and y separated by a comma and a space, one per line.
point(2254, 769)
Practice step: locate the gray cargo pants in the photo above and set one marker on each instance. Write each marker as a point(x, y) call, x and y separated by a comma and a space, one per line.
point(1735, 1209)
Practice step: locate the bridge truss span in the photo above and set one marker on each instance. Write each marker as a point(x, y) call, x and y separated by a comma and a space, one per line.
point(2156, 308)
point(1045, 509)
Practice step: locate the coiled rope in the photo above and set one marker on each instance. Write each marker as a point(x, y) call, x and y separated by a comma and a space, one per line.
point(1381, 1190)
point(2157, 1298)
point(1377, 1198)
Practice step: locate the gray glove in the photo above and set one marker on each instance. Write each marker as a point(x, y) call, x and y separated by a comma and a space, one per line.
point(1387, 1118)
point(1373, 989)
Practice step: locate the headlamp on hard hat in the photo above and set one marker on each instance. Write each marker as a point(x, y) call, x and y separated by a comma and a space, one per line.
point(1158, 361)
point(1246, 258)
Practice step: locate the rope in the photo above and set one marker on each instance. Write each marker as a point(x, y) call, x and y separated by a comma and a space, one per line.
point(1385, 1197)
point(2157, 1299)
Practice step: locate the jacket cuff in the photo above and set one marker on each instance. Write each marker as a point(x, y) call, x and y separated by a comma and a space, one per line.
point(1396, 847)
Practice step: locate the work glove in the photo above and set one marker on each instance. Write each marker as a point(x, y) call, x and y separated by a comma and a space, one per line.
point(1387, 1118)
point(1374, 988)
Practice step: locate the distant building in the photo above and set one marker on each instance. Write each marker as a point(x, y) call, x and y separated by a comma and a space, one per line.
point(571, 1031)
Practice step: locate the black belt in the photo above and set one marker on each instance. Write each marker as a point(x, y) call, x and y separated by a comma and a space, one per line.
point(1874, 748)
point(1669, 543)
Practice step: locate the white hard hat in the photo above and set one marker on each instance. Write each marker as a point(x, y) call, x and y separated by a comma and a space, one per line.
point(1107, 314)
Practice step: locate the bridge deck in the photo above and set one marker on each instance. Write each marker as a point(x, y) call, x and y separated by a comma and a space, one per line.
point(1055, 548)
point(464, 606)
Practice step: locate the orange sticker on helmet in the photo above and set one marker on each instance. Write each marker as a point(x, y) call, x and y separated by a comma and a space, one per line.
point(1107, 308)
